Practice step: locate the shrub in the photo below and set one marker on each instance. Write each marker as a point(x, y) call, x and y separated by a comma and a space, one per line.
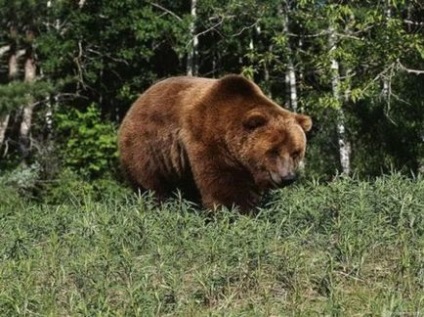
point(87, 143)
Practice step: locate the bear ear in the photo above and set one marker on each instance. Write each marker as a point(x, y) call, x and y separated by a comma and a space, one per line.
point(304, 121)
point(254, 120)
point(236, 85)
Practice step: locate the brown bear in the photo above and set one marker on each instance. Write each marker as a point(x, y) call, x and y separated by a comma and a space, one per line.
point(221, 139)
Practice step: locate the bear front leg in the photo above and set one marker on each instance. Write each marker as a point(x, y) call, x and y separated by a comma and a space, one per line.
point(218, 199)
point(221, 181)
point(224, 186)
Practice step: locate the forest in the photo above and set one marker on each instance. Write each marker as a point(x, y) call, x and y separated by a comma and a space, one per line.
point(69, 71)
point(347, 239)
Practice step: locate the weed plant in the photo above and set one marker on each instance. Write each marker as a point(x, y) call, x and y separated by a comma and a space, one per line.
point(347, 248)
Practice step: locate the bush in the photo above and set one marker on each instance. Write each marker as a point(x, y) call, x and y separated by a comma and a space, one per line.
point(22, 181)
point(87, 144)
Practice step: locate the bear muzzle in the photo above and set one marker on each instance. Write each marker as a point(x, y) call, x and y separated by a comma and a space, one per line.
point(283, 173)
point(288, 180)
point(282, 180)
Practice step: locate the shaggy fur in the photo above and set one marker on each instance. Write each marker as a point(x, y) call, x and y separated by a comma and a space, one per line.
point(221, 140)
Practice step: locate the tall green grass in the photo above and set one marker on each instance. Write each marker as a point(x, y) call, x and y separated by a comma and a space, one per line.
point(348, 248)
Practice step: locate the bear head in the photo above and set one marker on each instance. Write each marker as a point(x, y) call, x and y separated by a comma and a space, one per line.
point(268, 140)
point(273, 146)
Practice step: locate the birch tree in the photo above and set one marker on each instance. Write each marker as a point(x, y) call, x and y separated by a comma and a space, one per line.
point(387, 77)
point(344, 145)
point(27, 111)
point(192, 65)
point(12, 74)
point(4, 121)
point(290, 72)
point(13, 71)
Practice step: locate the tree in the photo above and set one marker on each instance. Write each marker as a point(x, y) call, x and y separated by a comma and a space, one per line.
point(19, 97)
point(192, 66)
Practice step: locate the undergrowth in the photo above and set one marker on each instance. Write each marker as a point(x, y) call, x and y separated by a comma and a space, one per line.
point(347, 248)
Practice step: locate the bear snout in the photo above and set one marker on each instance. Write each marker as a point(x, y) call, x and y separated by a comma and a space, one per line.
point(288, 180)
point(282, 180)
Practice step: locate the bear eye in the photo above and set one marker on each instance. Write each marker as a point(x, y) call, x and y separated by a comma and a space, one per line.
point(274, 152)
point(296, 154)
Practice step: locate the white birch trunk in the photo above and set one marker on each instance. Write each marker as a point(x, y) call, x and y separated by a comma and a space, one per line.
point(4, 122)
point(266, 74)
point(387, 77)
point(48, 117)
point(192, 67)
point(4, 50)
point(13, 72)
point(292, 83)
point(25, 127)
point(13, 66)
point(344, 145)
point(290, 73)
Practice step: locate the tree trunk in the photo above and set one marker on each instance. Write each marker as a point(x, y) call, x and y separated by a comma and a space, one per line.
point(387, 76)
point(4, 121)
point(300, 72)
point(13, 72)
point(24, 139)
point(267, 77)
point(344, 145)
point(192, 67)
point(4, 50)
point(49, 117)
point(290, 72)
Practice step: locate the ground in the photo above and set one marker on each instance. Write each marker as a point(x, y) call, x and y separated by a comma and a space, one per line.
point(347, 248)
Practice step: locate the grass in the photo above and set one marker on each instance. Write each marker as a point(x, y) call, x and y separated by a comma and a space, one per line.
point(348, 248)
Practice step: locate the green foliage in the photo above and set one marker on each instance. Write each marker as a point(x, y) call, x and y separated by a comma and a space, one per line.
point(88, 145)
point(23, 179)
point(12, 96)
point(17, 94)
point(344, 248)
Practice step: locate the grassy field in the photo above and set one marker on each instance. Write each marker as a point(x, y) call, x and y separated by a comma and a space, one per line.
point(348, 248)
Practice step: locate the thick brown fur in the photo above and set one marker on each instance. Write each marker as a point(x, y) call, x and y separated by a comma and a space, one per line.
point(221, 139)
